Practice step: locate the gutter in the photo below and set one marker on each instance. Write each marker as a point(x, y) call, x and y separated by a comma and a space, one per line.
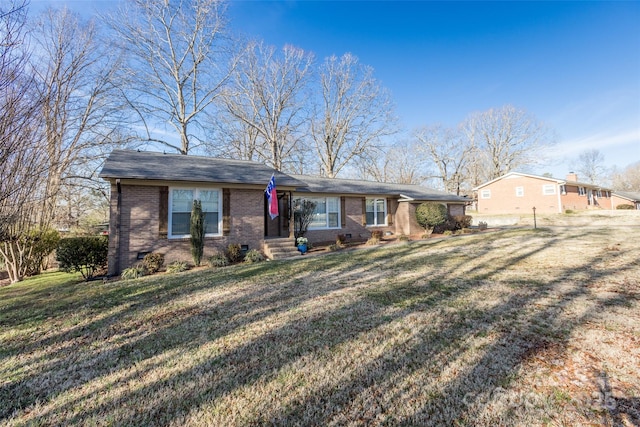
point(116, 242)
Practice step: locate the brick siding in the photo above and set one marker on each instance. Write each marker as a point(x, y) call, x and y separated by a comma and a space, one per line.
point(503, 199)
point(139, 226)
point(139, 230)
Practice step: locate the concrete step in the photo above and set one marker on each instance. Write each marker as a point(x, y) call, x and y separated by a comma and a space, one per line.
point(280, 248)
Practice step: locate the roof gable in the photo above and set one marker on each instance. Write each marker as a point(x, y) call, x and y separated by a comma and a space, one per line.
point(519, 174)
point(544, 178)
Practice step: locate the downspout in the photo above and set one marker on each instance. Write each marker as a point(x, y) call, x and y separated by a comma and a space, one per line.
point(116, 242)
point(560, 198)
point(291, 216)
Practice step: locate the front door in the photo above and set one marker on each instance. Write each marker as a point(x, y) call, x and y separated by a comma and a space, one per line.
point(279, 226)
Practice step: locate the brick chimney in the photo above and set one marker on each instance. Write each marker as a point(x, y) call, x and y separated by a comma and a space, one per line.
point(571, 176)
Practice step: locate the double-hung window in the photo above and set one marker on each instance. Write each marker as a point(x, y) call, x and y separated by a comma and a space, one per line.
point(376, 211)
point(485, 194)
point(519, 191)
point(548, 189)
point(326, 214)
point(181, 203)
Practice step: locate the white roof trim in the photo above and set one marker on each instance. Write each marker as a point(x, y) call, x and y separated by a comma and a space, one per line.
point(557, 181)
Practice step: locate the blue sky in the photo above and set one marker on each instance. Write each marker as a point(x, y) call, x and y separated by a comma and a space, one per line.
point(574, 65)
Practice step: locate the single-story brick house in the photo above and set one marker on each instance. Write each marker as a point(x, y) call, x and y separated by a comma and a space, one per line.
point(152, 194)
point(625, 198)
point(516, 193)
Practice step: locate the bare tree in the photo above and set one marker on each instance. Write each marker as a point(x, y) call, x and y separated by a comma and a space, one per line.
point(236, 139)
point(79, 113)
point(506, 138)
point(266, 97)
point(628, 179)
point(178, 63)
point(19, 159)
point(22, 162)
point(590, 166)
point(353, 114)
point(451, 152)
point(399, 163)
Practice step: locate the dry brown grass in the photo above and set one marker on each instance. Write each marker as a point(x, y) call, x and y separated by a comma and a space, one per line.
point(519, 327)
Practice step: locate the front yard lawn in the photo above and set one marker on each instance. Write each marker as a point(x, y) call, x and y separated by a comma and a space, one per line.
point(519, 327)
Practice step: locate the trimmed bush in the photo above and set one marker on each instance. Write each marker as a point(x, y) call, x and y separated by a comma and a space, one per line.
point(373, 240)
point(431, 214)
point(482, 225)
point(43, 242)
point(153, 262)
point(625, 207)
point(84, 254)
point(134, 272)
point(218, 259)
point(234, 253)
point(253, 256)
point(461, 221)
point(377, 234)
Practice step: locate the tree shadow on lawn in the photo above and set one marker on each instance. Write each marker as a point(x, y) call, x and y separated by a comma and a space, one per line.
point(79, 355)
point(306, 334)
point(365, 399)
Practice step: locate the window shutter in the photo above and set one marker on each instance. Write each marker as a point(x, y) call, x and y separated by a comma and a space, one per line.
point(364, 211)
point(163, 212)
point(226, 211)
point(343, 211)
point(389, 216)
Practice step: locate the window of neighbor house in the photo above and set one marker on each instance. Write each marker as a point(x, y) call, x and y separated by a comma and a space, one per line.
point(582, 191)
point(180, 204)
point(485, 194)
point(563, 189)
point(519, 191)
point(376, 211)
point(548, 189)
point(326, 214)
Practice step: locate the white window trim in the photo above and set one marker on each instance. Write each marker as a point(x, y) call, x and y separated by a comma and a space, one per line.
point(546, 187)
point(339, 226)
point(485, 194)
point(196, 190)
point(520, 191)
point(375, 217)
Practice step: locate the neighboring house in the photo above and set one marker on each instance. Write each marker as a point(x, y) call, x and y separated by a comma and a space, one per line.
point(152, 195)
point(516, 193)
point(626, 198)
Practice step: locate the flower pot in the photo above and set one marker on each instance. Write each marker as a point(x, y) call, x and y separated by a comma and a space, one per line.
point(302, 248)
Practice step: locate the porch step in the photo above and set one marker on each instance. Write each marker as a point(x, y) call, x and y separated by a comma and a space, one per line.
point(280, 248)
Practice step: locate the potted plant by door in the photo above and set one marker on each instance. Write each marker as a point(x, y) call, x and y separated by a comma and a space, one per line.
point(301, 242)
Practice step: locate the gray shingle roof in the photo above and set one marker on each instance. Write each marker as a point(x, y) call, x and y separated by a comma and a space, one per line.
point(351, 186)
point(144, 165)
point(631, 195)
